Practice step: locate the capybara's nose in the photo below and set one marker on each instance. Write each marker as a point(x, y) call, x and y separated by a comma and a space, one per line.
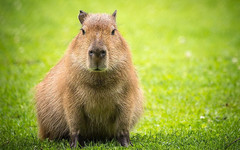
point(97, 53)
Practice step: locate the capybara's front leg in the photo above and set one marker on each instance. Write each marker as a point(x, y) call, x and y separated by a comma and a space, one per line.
point(74, 127)
point(75, 119)
point(122, 134)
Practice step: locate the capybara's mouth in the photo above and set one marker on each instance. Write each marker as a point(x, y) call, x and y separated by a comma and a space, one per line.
point(98, 70)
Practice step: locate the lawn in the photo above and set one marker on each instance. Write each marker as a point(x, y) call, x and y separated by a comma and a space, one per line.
point(187, 55)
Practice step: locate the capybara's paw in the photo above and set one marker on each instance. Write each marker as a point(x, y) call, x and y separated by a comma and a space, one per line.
point(123, 138)
point(75, 140)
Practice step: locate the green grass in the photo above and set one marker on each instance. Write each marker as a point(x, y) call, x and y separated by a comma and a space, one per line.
point(187, 54)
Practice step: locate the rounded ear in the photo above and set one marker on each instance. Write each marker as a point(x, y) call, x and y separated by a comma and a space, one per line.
point(114, 14)
point(82, 15)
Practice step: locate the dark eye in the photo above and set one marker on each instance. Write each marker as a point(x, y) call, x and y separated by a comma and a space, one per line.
point(103, 53)
point(113, 31)
point(90, 53)
point(83, 31)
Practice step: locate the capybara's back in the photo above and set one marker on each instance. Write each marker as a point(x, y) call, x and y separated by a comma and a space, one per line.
point(93, 92)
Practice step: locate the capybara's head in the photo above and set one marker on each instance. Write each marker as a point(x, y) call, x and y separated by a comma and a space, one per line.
point(100, 47)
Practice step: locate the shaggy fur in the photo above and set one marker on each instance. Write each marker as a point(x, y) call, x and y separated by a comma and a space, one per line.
point(73, 100)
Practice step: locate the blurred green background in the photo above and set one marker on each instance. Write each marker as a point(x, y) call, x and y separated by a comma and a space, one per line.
point(186, 53)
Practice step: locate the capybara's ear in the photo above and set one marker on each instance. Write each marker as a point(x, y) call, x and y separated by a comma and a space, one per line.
point(114, 14)
point(82, 15)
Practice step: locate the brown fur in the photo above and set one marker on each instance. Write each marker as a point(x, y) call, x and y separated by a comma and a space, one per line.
point(75, 100)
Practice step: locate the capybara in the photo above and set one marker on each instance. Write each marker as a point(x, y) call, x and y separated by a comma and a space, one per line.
point(93, 91)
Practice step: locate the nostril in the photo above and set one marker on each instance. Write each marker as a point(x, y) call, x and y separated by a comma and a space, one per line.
point(103, 53)
point(90, 53)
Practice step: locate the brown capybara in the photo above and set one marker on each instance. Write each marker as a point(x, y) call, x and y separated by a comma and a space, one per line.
point(93, 91)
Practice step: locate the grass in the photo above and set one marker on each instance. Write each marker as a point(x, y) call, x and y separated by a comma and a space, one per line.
point(187, 54)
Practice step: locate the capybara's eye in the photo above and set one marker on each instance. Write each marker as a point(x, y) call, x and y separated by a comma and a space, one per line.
point(103, 53)
point(113, 31)
point(90, 53)
point(83, 31)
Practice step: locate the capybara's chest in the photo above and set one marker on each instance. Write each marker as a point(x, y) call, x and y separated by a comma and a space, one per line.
point(102, 107)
